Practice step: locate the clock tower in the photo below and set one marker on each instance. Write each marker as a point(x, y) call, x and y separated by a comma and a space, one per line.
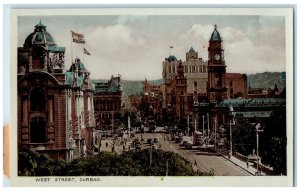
point(216, 89)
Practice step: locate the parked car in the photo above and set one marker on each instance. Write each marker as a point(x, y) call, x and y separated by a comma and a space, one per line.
point(156, 140)
point(154, 147)
point(138, 146)
point(149, 141)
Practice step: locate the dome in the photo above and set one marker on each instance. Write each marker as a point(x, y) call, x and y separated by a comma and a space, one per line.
point(215, 36)
point(39, 37)
point(171, 58)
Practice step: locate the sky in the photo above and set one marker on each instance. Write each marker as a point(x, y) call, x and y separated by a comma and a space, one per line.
point(135, 46)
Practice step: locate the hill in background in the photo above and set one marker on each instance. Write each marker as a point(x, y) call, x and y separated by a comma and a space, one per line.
point(259, 80)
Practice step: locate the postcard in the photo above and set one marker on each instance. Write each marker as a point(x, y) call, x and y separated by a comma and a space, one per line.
point(151, 97)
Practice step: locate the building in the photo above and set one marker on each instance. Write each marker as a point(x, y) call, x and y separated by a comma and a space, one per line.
point(216, 86)
point(55, 106)
point(152, 102)
point(237, 85)
point(175, 96)
point(195, 71)
point(107, 100)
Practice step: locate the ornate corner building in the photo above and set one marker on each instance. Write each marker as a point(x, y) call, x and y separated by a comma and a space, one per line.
point(55, 106)
point(107, 100)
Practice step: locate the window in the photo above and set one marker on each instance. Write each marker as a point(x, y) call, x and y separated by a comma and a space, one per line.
point(37, 99)
point(38, 130)
point(195, 85)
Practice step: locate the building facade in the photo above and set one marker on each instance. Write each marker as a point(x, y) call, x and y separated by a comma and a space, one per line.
point(216, 86)
point(107, 100)
point(55, 106)
point(152, 101)
point(195, 71)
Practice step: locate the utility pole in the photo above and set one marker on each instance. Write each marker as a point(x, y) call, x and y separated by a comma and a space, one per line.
point(208, 125)
point(167, 168)
point(230, 129)
point(257, 146)
point(215, 132)
point(188, 123)
point(203, 124)
point(195, 125)
point(129, 126)
point(230, 153)
point(150, 153)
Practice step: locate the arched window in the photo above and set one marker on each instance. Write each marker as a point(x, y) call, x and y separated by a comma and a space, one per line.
point(38, 130)
point(37, 99)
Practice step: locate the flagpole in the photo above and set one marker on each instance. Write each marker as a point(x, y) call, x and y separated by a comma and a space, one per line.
point(82, 54)
point(71, 47)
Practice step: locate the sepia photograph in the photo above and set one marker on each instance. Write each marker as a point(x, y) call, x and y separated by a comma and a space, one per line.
point(170, 95)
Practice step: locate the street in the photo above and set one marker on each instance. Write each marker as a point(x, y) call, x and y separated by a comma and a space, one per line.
point(205, 160)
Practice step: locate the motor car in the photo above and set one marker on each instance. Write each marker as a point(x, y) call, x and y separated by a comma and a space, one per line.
point(156, 140)
point(178, 139)
point(189, 146)
point(138, 146)
point(149, 141)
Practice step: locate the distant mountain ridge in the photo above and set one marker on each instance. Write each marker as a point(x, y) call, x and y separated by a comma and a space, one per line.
point(258, 80)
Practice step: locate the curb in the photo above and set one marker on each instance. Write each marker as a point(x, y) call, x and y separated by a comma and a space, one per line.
point(236, 164)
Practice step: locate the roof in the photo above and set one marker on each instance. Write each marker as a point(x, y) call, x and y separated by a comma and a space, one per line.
point(191, 50)
point(55, 49)
point(215, 36)
point(171, 58)
point(40, 36)
point(252, 114)
point(252, 102)
point(111, 86)
point(70, 79)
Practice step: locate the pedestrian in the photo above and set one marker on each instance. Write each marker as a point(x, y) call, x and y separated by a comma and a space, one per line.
point(106, 144)
point(247, 164)
point(113, 148)
point(123, 147)
point(195, 163)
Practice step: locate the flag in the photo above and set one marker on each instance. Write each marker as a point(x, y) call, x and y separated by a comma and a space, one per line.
point(86, 52)
point(78, 38)
point(171, 47)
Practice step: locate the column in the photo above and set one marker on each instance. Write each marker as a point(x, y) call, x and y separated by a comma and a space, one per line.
point(50, 109)
point(45, 60)
point(24, 112)
point(30, 61)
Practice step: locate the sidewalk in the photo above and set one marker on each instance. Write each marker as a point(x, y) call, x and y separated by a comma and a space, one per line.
point(251, 168)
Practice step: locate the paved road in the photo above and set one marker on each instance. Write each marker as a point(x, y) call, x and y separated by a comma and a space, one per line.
point(205, 160)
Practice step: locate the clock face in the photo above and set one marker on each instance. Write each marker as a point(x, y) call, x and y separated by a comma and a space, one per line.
point(217, 56)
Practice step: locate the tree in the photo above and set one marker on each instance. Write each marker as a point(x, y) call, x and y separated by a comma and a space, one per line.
point(109, 164)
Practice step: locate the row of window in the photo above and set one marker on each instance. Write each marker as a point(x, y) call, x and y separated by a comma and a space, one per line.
point(195, 69)
point(107, 105)
point(189, 69)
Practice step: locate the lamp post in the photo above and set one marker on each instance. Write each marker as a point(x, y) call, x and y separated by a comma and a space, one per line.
point(215, 132)
point(257, 126)
point(230, 129)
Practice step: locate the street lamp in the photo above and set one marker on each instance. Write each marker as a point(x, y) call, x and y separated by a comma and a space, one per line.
point(230, 129)
point(257, 126)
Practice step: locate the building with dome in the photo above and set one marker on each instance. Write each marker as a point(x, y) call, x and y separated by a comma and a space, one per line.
point(55, 105)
